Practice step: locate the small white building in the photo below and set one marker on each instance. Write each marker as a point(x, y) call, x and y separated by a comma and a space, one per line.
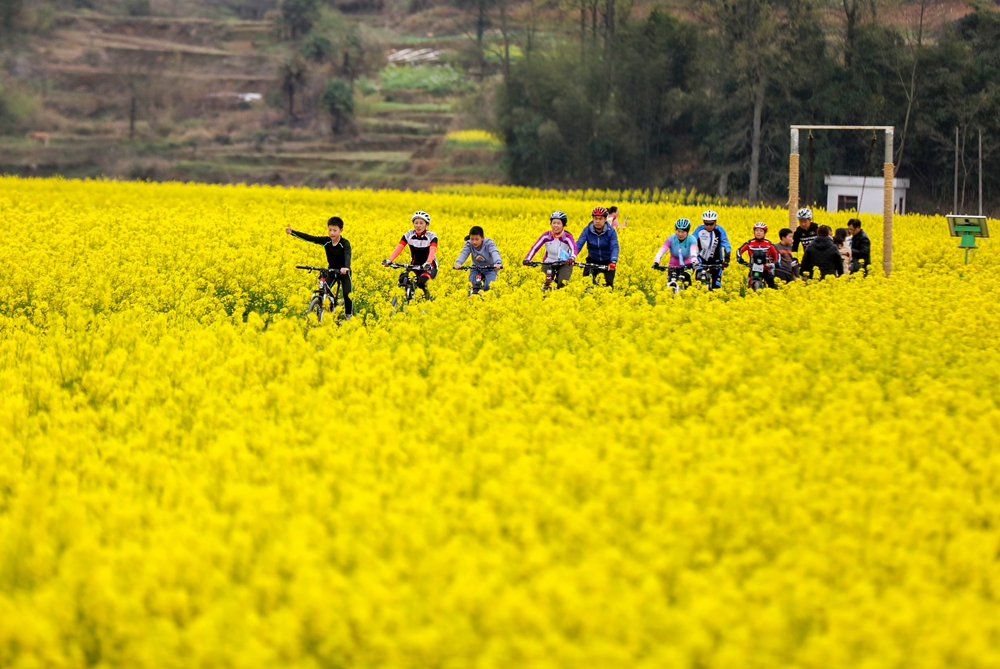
point(863, 194)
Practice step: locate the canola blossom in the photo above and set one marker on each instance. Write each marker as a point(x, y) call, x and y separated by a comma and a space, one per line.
point(192, 474)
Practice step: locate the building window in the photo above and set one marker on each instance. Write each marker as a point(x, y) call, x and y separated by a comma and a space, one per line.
point(845, 202)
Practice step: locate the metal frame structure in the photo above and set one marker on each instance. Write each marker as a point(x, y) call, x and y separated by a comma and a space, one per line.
point(888, 170)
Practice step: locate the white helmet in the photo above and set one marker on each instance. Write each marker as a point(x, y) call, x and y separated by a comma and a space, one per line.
point(805, 213)
point(423, 215)
point(710, 216)
point(760, 225)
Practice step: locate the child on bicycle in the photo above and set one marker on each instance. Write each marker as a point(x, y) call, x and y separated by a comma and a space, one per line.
point(484, 253)
point(788, 267)
point(683, 249)
point(560, 247)
point(759, 244)
point(338, 255)
point(423, 250)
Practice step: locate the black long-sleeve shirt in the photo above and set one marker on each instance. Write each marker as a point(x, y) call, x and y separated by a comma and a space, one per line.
point(338, 255)
point(802, 237)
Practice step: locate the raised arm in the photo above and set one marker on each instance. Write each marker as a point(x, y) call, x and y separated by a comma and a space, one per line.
point(347, 252)
point(494, 253)
point(581, 240)
point(614, 246)
point(396, 251)
point(307, 238)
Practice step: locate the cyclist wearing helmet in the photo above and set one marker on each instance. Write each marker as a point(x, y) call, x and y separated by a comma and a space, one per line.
point(560, 247)
point(423, 250)
point(805, 233)
point(713, 245)
point(602, 246)
point(760, 243)
point(681, 245)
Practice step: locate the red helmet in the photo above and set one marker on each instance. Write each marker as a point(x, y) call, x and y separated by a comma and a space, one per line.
point(599, 211)
point(760, 225)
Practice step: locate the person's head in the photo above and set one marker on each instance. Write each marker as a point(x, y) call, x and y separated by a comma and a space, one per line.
point(840, 236)
point(612, 211)
point(600, 216)
point(476, 236)
point(759, 230)
point(558, 222)
point(854, 226)
point(805, 217)
point(335, 226)
point(709, 219)
point(421, 221)
point(681, 228)
point(824, 231)
point(785, 235)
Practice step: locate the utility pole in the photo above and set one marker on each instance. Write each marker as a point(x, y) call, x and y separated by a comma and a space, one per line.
point(954, 207)
point(980, 171)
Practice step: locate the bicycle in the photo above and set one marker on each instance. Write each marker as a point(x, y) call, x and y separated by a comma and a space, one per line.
point(678, 278)
point(479, 278)
point(406, 282)
point(705, 274)
point(595, 268)
point(551, 272)
point(329, 288)
point(759, 269)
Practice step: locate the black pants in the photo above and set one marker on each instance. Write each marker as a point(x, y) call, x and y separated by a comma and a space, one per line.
point(346, 287)
point(609, 274)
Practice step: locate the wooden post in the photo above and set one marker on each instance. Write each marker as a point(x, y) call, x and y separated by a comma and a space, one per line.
point(954, 207)
point(887, 200)
point(980, 171)
point(793, 179)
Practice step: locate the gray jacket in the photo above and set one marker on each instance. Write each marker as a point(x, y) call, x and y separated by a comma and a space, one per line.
point(487, 254)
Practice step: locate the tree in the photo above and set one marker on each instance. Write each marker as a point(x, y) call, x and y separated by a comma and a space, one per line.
point(299, 16)
point(338, 99)
point(292, 74)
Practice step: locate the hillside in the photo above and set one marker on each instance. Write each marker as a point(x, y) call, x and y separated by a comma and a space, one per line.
point(194, 98)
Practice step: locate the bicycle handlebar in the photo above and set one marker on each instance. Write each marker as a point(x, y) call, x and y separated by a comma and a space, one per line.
point(536, 263)
point(320, 269)
point(394, 265)
point(588, 265)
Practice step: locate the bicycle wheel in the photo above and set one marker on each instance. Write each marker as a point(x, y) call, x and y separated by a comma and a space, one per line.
point(756, 284)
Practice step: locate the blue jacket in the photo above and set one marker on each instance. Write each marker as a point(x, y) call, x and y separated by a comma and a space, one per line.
point(602, 247)
point(712, 246)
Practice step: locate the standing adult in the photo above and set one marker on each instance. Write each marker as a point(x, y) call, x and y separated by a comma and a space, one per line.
point(806, 232)
point(823, 255)
point(602, 246)
point(713, 246)
point(861, 247)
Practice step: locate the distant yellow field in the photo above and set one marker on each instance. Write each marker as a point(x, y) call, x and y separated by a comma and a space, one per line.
point(193, 475)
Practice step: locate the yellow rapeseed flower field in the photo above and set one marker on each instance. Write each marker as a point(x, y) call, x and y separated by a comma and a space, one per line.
point(194, 475)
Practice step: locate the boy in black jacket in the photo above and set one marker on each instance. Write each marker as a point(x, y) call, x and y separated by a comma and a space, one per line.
point(338, 255)
point(861, 247)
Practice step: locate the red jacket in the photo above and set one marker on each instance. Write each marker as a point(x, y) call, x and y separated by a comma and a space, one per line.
point(759, 245)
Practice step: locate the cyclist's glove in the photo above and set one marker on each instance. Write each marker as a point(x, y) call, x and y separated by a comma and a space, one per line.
point(656, 265)
point(526, 262)
point(612, 265)
point(427, 266)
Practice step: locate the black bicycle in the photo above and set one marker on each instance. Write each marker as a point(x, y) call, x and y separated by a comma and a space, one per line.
point(760, 269)
point(705, 274)
point(551, 270)
point(407, 281)
point(595, 268)
point(478, 276)
point(329, 290)
point(678, 278)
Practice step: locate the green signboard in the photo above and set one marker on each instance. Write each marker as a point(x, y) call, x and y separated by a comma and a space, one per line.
point(968, 228)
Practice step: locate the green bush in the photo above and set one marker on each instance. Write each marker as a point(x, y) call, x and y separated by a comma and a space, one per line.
point(437, 80)
point(16, 108)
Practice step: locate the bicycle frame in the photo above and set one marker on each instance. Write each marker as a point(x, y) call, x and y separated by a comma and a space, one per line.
point(674, 274)
point(479, 278)
point(551, 270)
point(328, 288)
point(759, 267)
point(704, 273)
point(592, 266)
point(406, 282)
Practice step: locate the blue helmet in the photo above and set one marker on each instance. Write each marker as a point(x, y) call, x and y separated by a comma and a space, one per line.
point(683, 224)
point(558, 214)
